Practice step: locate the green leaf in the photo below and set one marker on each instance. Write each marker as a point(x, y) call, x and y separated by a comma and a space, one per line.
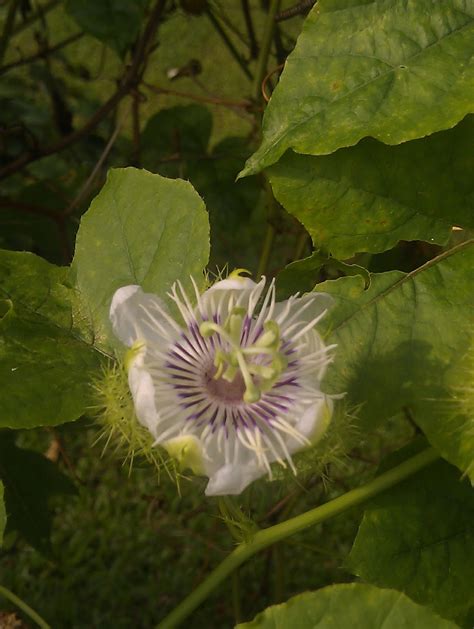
point(400, 344)
point(30, 480)
point(370, 196)
point(230, 202)
point(419, 538)
point(141, 229)
point(302, 275)
point(394, 70)
point(3, 515)
point(175, 143)
point(45, 363)
point(114, 22)
point(351, 605)
point(175, 136)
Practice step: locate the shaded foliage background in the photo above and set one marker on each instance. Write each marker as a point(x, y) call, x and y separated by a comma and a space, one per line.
point(176, 88)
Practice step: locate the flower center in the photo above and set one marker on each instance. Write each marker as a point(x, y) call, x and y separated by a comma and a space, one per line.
point(240, 368)
point(223, 390)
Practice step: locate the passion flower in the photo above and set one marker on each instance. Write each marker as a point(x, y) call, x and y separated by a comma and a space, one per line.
point(232, 386)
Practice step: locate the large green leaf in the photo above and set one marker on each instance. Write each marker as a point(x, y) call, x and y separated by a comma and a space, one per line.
point(115, 22)
point(30, 480)
point(45, 363)
point(369, 196)
point(394, 70)
point(3, 515)
point(140, 229)
point(402, 341)
point(419, 538)
point(351, 605)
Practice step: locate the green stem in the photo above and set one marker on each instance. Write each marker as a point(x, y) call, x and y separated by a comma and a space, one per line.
point(24, 607)
point(266, 537)
point(301, 244)
point(265, 49)
point(266, 250)
point(272, 214)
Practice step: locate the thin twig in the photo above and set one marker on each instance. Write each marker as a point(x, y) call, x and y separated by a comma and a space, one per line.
point(42, 11)
point(230, 46)
point(28, 208)
point(135, 107)
point(230, 24)
point(129, 82)
point(87, 184)
point(42, 53)
point(250, 29)
point(224, 102)
point(298, 9)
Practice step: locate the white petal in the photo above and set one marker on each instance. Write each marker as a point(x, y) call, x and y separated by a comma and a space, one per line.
point(233, 479)
point(143, 392)
point(233, 283)
point(302, 309)
point(313, 423)
point(136, 315)
point(241, 291)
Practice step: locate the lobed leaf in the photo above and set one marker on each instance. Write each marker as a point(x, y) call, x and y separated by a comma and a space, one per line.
point(45, 362)
point(141, 229)
point(395, 70)
point(370, 196)
point(402, 342)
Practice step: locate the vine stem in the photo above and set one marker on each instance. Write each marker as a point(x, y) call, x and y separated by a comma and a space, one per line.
point(24, 607)
point(266, 537)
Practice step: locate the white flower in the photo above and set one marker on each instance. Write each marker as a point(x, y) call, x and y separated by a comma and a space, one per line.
point(232, 387)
